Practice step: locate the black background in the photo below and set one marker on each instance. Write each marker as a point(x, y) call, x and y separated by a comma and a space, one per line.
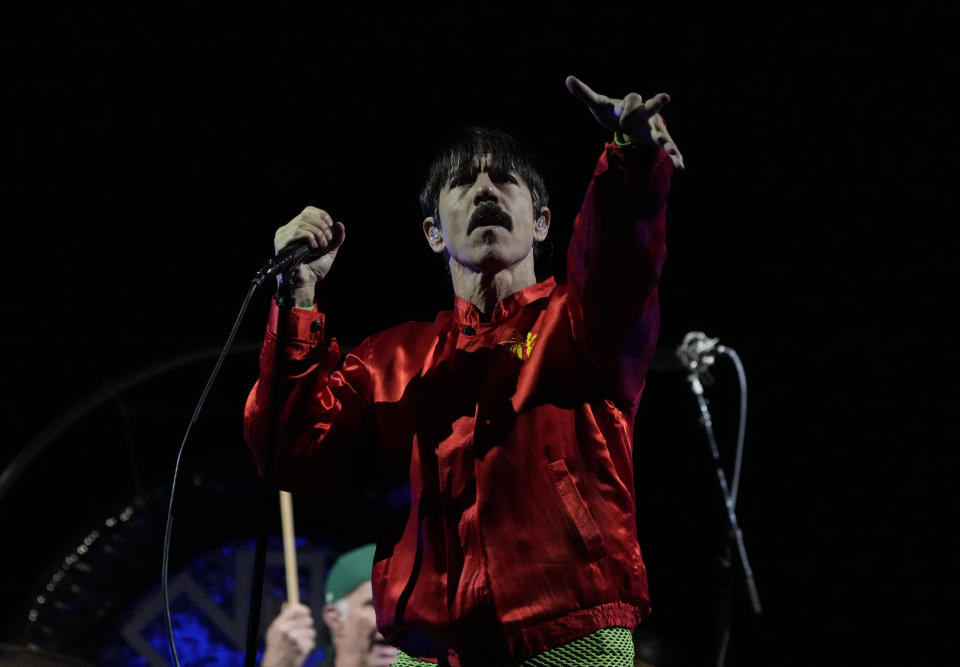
point(150, 154)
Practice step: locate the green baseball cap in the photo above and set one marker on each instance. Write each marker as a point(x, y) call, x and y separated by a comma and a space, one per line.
point(349, 571)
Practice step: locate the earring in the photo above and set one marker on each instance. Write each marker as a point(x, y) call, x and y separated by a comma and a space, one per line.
point(434, 234)
point(541, 223)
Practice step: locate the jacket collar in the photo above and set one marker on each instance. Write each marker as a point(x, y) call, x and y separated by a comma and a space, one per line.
point(465, 312)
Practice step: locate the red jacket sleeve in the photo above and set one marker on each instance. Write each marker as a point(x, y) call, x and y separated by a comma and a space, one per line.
point(323, 432)
point(614, 262)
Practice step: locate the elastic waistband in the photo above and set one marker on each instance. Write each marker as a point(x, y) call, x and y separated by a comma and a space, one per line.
point(607, 647)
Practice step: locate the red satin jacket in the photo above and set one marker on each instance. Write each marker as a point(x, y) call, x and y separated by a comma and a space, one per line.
point(502, 449)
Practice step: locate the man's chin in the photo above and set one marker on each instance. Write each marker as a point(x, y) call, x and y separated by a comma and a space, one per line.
point(487, 259)
point(492, 262)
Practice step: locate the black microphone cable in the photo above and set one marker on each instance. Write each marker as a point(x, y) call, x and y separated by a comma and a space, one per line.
point(196, 413)
point(292, 254)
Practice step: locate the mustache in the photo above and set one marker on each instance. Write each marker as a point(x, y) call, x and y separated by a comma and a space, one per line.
point(489, 213)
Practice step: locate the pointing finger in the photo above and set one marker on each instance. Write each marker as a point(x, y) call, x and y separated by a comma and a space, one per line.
point(584, 93)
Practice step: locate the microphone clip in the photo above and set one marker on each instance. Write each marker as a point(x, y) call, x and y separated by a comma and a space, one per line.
point(698, 353)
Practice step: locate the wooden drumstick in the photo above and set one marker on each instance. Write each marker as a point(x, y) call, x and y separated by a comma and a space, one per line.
point(289, 547)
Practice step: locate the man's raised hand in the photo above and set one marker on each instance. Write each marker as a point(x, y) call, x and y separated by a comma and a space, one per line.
point(632, 116)
point(320, 232)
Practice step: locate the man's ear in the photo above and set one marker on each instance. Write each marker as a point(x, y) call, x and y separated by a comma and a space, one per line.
point(333, 619)
point(431, 229)
point(541, 226)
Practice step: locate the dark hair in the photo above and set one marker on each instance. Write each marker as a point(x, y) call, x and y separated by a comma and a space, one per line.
point(462, 147)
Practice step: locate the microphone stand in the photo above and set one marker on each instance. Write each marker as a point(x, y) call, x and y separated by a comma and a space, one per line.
point(697, 354)
point(268, 491)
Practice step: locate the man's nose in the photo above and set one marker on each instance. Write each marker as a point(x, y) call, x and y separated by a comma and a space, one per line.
point(485, 189)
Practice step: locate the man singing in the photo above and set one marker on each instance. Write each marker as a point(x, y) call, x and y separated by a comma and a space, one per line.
point(499, 435)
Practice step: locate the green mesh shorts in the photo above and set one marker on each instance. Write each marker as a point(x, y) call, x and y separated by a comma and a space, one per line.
point(608, 647)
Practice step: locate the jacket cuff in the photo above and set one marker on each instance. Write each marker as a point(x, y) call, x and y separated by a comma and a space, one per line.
point(639, 157)
point(304, 326)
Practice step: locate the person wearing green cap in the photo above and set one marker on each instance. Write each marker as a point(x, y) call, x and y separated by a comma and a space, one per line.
point(348, 614)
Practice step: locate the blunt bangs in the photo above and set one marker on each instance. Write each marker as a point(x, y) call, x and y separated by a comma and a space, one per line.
point(457, 156)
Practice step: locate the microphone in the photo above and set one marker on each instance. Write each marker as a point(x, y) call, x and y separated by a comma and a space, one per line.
point(289, 256)
point(697, 352)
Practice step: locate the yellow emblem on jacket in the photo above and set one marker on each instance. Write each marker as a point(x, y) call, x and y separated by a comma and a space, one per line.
point(520, 346)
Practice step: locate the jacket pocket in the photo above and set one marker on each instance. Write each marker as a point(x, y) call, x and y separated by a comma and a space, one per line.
point(577, 511)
